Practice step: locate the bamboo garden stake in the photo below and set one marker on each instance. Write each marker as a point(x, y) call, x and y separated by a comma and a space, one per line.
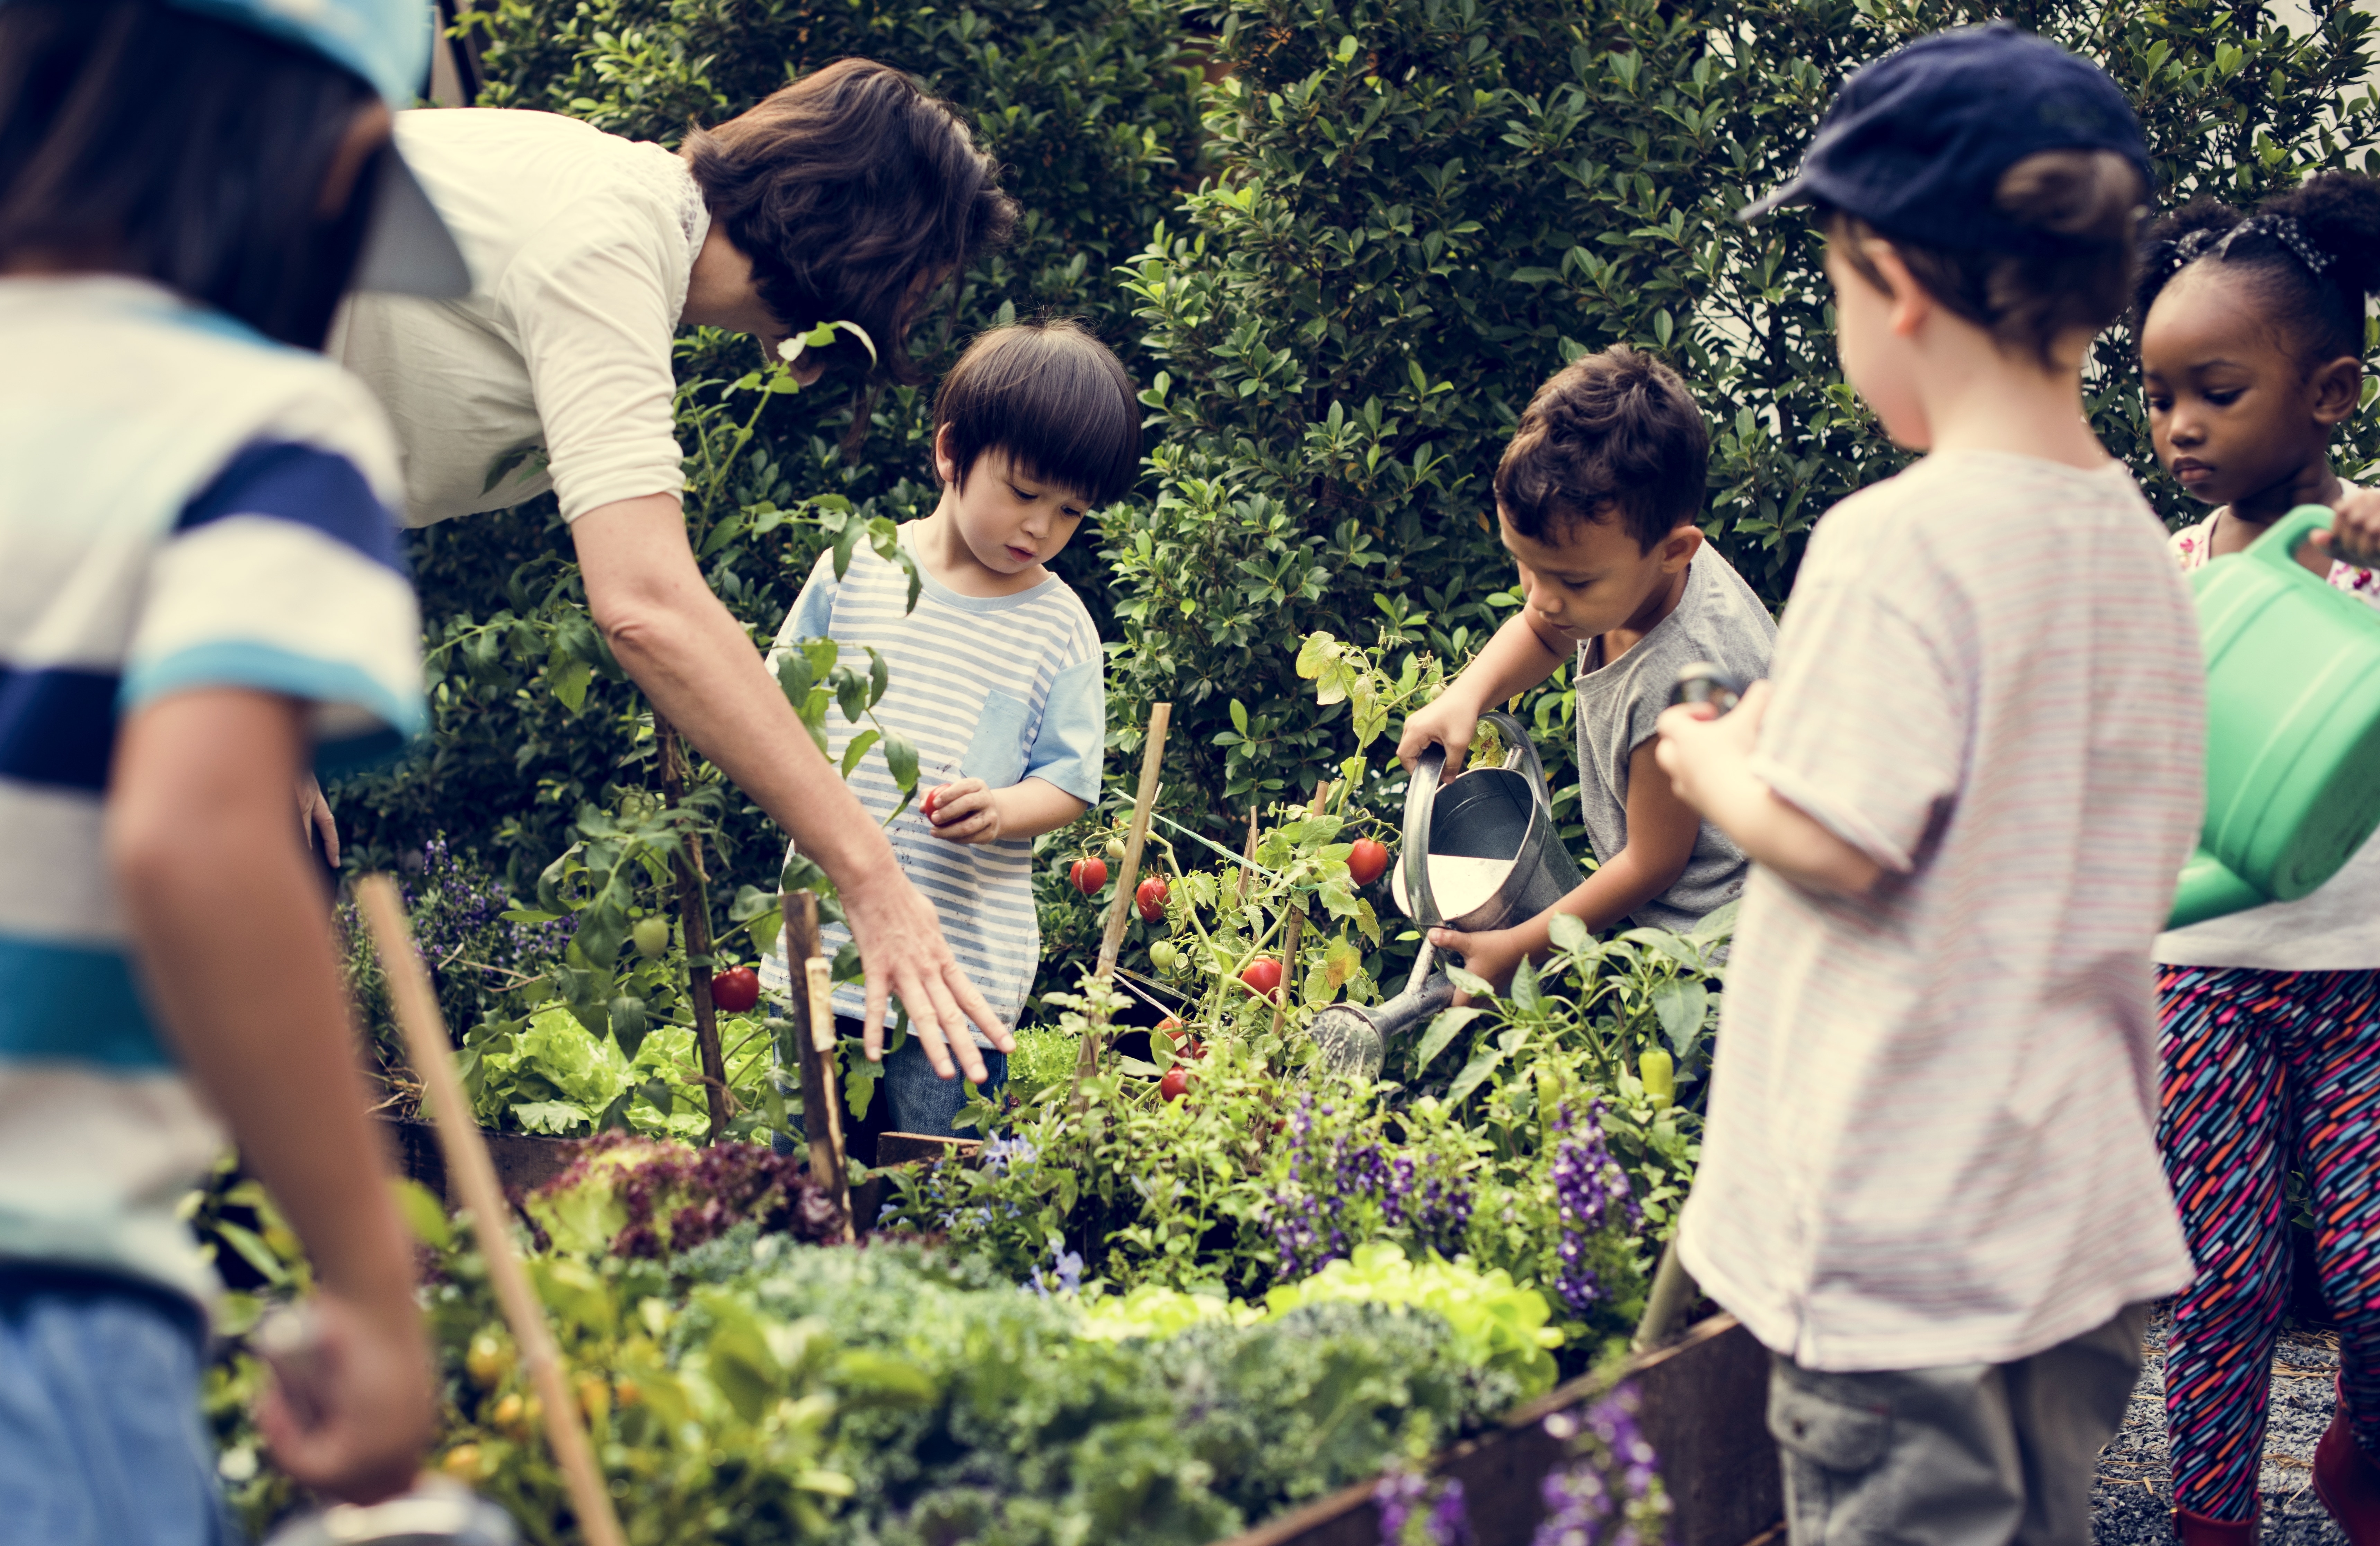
point(1295, 926)
point(467, 1164)
point(693, 914)
point(1152, 758)
point(805, 964)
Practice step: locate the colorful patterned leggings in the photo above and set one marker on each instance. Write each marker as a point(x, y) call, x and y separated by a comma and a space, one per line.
point(2263, 1069)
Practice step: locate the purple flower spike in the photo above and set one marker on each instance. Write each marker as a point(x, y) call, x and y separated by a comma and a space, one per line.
point(1587, 1184)
point(1396, 1495)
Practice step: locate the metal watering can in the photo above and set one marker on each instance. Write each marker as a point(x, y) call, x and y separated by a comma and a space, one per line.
point(1500, 817)
point(2293, 727)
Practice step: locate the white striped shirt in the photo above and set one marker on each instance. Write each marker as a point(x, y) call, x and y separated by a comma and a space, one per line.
point(183, 505)
point(1932, 1133)
point(1002, 688)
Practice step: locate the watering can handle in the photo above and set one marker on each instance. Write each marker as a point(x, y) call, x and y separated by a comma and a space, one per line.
point(1516, 736)
point(1421, 793)
point(2278, 547)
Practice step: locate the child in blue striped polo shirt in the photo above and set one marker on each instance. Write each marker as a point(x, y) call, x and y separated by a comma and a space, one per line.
point(995, 674)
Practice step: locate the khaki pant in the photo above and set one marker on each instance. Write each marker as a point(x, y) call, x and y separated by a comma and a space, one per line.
point(1969, 1455)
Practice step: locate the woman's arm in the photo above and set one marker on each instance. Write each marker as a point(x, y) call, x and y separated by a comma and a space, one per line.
point(235, 947)
point(671, 636)
point(1710, 761)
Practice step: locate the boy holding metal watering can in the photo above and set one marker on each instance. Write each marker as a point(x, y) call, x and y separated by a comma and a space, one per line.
point(1596, 500)
point(1930, 1184)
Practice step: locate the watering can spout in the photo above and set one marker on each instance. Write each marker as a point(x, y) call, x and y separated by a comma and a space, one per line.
point(2209, 890)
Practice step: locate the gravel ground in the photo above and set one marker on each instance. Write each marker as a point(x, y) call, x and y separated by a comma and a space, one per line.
point(2132, 1504)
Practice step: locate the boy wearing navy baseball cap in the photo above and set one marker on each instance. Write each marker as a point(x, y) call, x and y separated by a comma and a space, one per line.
point(1930, 1184)
point(203, 600)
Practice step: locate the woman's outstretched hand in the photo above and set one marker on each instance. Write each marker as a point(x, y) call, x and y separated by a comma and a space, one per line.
point(903, 951)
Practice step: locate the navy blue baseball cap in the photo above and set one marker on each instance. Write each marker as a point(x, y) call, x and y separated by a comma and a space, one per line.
point(1916, 142)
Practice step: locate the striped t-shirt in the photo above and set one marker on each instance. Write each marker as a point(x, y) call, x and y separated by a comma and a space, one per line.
point(185, 506)
point(1932, 1134)
point(1002, 688)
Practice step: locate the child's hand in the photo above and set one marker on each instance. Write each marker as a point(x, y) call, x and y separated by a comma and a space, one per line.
point(2355, 537)
point(1490, 953)
point(1449, 723)
point(963, 812)
point(1698, 744)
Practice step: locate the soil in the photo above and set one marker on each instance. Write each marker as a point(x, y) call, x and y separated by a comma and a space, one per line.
point(2133, 1501)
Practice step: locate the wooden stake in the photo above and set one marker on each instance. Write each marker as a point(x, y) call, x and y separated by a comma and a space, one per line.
point(813, 983)
point(1248, 855)
point(1288, 935)
point(693, 914)
point(468, 1167)
point(1152, 758)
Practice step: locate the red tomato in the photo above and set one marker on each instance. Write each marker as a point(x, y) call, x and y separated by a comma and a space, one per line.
point(1263, 974)
point(1171, 1022)
point(1088, 876)
point(736, 989)
point(1368, 863)
point(1175, 1084)
point(932, 795)
point(1150, 896)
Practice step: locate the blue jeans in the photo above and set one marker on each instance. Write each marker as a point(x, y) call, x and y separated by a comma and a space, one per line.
point(925, 1104)
point(100, 1442)
point(917, 1100)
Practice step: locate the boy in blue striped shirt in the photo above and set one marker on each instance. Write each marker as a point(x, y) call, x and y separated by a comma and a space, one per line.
point(995, 674)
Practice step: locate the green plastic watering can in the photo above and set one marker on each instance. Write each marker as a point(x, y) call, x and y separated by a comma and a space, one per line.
point(2292, 726)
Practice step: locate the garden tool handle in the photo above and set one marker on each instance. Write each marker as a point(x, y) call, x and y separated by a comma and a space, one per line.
point(1673, 1289)
point(1421, 793)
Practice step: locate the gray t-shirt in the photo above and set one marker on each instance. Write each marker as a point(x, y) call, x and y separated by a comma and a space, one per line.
point(1719, 620)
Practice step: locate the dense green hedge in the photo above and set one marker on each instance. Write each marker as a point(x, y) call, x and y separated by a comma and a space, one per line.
point(1397, 217)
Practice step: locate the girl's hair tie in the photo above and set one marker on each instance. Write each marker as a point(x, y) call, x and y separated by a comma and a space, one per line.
point(2283, 229)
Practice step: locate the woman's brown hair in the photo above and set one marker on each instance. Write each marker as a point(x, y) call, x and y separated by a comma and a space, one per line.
point(855, 194)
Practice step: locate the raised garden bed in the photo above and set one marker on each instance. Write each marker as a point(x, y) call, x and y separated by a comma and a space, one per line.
point(1703, 1397)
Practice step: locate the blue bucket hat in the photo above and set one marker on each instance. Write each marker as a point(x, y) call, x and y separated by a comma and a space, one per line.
point(1915, 143)
point(407, 248)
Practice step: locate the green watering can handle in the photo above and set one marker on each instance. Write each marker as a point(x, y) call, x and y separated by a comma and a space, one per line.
point(2279, 545)
point(2208, 889)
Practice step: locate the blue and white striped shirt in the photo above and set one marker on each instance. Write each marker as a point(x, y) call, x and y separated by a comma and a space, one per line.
point(1002, 688)
point(183, 505)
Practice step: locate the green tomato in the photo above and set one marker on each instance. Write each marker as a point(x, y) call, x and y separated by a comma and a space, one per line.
point(1164, 955)
point(652, 937)
point(1659, 1072)
point(1115, 849)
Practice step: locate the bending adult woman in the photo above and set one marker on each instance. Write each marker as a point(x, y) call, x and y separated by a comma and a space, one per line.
point(848, 195)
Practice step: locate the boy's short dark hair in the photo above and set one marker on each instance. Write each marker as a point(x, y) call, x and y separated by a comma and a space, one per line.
point(844, 188)
point(1053, 397)
point(1615, 431)
point(2089, 201)
point(144, 140)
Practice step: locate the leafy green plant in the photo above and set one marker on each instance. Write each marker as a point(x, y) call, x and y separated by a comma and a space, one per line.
point(1422, 208)
point(753, 1388)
